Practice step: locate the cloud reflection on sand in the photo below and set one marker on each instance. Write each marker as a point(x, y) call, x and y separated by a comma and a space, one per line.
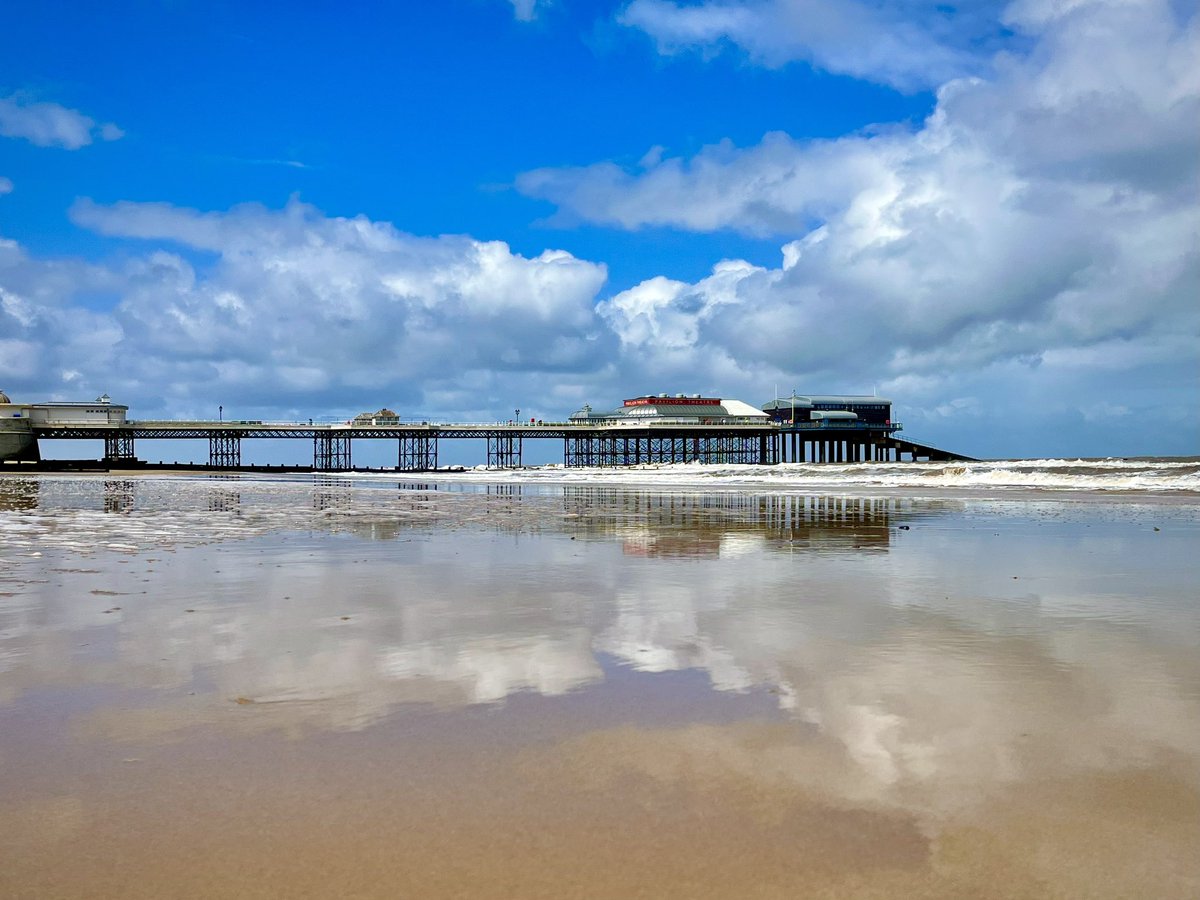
point(921, 667)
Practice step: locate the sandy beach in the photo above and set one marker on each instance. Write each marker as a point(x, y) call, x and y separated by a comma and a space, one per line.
point(391, 687)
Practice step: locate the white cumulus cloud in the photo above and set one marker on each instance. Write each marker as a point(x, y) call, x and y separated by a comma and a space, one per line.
point(292, 306)
point(50, 124)
point(1023, 266)
point(909, 45)
point(1040, 228)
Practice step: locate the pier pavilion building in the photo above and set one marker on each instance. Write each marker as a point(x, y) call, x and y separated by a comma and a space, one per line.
point(384, 416)
point(18, 421)
point(675, 409)
point(839, 428)
point(833, 410)
point(101, 411)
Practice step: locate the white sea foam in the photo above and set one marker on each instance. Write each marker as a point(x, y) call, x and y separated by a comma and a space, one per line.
point(84, 514)
point(1118, 475)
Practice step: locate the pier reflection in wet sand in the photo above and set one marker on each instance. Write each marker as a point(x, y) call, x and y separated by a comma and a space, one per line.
point(260, 688)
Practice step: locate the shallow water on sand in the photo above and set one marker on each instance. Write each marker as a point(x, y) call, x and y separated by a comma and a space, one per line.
point(249, 687)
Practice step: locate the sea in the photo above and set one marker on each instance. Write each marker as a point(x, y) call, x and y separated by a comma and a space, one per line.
point(1160, 475)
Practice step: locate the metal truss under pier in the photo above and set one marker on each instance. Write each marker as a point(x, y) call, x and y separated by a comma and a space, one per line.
point(418, 453)
point(626, 449)
point(601, 446)
point(118, 446)
point(331, 452)
point(846, 446)
point(504, 451)
point(225, 449)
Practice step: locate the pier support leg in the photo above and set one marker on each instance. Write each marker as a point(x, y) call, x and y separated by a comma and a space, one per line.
point(224, 449)
point(578, 451)
point(417, 453)
point(119, 447)
point(504, 451)
point(331, 452)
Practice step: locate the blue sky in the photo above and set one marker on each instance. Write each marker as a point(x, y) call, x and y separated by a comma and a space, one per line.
point(986, 212)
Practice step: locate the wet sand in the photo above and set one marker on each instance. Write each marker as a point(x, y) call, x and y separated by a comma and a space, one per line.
point(250, 687)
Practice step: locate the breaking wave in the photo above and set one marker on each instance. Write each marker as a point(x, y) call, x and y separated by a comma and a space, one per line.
point(1172, 475)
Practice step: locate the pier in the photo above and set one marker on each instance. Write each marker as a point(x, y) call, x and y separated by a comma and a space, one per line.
point(583, 445)
point(652, 429)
